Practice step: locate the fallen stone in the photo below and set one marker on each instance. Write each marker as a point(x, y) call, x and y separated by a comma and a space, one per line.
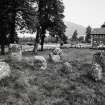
point(57, 51)
point(36, 61)
point(40, 60)
point(4, 70)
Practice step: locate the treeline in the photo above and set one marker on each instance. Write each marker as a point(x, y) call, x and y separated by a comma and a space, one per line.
point(48, 39)
point(31, 16)
point(86, 38)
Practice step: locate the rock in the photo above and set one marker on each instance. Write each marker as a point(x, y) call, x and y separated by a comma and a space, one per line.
point(4, 70)
point(99, 58)
point(36, 61)
point(15, 52)
point(67, 66)
point(96, 72)
point(54, 58)
point(56, 55)
point(96, 58)
point(40, 60)
point(57, 51)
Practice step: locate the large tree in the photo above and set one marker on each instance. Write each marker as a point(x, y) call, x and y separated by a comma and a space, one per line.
point(4, 24)
point(50, 17)
point(16, 14)
point(88, 34)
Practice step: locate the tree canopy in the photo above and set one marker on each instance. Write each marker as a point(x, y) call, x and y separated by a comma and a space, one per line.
point(88, 34)
point(16, 15)
point(74, 36)
point(50, 16)
point(32, 16)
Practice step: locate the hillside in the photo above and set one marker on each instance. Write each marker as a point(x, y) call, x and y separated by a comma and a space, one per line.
point(71, 27)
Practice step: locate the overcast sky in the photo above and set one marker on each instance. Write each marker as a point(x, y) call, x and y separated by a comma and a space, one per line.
point(85, 12)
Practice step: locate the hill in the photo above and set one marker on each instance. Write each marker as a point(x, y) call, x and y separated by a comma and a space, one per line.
point(71, 27)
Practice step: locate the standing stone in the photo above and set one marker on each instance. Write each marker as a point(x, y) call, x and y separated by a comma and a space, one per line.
point(57, 51)
point(96, 72)
point(4, 70)
point(96, 58)
point(15, 52)
point(54, 58)
point(56, 55)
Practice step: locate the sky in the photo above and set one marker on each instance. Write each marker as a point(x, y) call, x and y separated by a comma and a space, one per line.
point(85, 12)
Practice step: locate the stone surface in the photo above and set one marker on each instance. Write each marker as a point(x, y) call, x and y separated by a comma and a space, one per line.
point(56, 55)
point(40, 60)
point(15, 52)
point(57, 51)
point(54, 58)
point(96, 72)
point(36, 61)
point(4, 70)
point(96, 58)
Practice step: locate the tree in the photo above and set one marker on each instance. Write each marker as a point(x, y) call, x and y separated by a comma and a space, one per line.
point(103, 25)
point(50, 17)
point(74, 36)
point(15, 15)
point(81, 39)
point(4, 26)
point(88, 34)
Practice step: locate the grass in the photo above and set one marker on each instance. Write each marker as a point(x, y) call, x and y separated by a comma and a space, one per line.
point(28, 85)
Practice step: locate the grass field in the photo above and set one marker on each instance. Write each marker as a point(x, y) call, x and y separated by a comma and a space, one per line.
point(28, 85)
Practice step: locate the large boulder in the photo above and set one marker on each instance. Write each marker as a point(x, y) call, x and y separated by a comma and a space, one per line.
point(96, 72)
point(54, 58)
point(4, 70)
point(36, 61)
point(56, 55)
point(40, 60)
point(15, 52)
point(99, 58)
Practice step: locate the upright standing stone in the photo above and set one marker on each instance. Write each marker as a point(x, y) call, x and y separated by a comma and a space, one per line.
point(4, 70)
point(15, 52)
point(57, 51)
point(96, 72)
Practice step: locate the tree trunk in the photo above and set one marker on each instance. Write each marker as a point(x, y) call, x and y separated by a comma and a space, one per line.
point(43, 31)
point(35, 49)
point(3, 41)
point(13, 35)
point(2, 49)
point(42, 42)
